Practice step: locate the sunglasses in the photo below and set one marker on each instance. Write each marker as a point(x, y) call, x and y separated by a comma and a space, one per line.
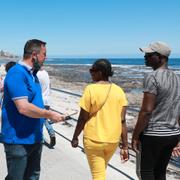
point(147, 55)
point(92, 70)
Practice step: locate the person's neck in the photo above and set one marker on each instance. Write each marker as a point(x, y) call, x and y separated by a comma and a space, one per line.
point(164, 66)
point(28, 62)
point(103, 82)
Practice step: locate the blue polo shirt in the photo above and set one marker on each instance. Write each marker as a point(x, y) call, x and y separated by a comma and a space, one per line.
point(17, 128)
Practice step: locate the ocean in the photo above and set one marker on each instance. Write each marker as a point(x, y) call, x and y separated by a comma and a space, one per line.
point(175, 62)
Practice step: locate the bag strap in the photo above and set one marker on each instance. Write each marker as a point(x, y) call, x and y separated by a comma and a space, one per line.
point(102, 103)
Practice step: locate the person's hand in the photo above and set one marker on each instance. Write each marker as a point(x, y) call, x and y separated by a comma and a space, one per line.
point(74, 142)
point(124, 154)
point(56, 117)
point(135, 145)
point(176, 151)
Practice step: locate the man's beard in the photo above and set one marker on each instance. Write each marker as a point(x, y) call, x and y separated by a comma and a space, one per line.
point(36, 66)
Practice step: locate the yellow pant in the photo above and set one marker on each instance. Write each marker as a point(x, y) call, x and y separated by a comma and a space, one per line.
point(98, 155)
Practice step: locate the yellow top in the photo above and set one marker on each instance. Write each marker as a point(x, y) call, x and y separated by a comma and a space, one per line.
point(105, 125)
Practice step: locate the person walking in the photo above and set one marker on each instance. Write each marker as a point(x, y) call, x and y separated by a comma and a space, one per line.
point(157, 130)
point(23, 114)
point(102, 118)
point(44, 80)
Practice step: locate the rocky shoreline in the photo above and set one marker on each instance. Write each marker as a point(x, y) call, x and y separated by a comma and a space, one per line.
point(74, 77)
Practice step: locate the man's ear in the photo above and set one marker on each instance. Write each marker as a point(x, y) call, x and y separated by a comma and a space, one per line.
point(160, 60)
point(34, 55)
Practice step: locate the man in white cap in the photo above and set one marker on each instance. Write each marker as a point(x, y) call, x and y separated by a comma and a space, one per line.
point(157, 128)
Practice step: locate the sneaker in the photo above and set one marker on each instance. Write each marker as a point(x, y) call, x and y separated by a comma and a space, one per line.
point(52, 141)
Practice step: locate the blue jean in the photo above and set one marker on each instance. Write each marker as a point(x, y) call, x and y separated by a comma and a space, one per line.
point(48, 125)
point(23, 161)
point(49, 128)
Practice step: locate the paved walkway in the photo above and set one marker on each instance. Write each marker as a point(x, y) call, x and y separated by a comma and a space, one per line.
point(66, 163)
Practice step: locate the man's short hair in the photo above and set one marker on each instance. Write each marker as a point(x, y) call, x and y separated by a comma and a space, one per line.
point(32, 45)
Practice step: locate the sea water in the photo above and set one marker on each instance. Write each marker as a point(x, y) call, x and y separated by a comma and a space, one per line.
point(115, 61)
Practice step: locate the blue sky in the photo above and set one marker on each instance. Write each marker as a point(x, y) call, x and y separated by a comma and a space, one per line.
point(90, 28)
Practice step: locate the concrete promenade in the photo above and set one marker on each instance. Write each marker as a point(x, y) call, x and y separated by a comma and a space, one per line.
point(66, 163)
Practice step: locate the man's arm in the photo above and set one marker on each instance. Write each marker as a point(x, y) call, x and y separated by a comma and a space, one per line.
point(30, 110)
point(143, 118)
point(83, 117)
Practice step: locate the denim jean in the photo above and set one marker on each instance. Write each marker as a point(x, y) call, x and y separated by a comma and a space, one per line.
point(48, 125)
point(49, 128)
point(23, 161)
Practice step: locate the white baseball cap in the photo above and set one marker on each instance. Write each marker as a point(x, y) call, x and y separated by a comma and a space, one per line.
point(159, 47)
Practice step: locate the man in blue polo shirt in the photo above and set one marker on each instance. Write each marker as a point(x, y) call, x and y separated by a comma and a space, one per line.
point(23, 114)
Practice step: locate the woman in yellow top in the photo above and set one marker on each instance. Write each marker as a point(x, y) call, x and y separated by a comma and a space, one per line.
point(102, 118)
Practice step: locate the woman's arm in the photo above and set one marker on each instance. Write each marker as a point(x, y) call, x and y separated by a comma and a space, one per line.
point(124, 137)
point(83, 117)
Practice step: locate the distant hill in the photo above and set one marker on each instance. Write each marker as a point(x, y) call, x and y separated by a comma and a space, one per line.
point(7, 55)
